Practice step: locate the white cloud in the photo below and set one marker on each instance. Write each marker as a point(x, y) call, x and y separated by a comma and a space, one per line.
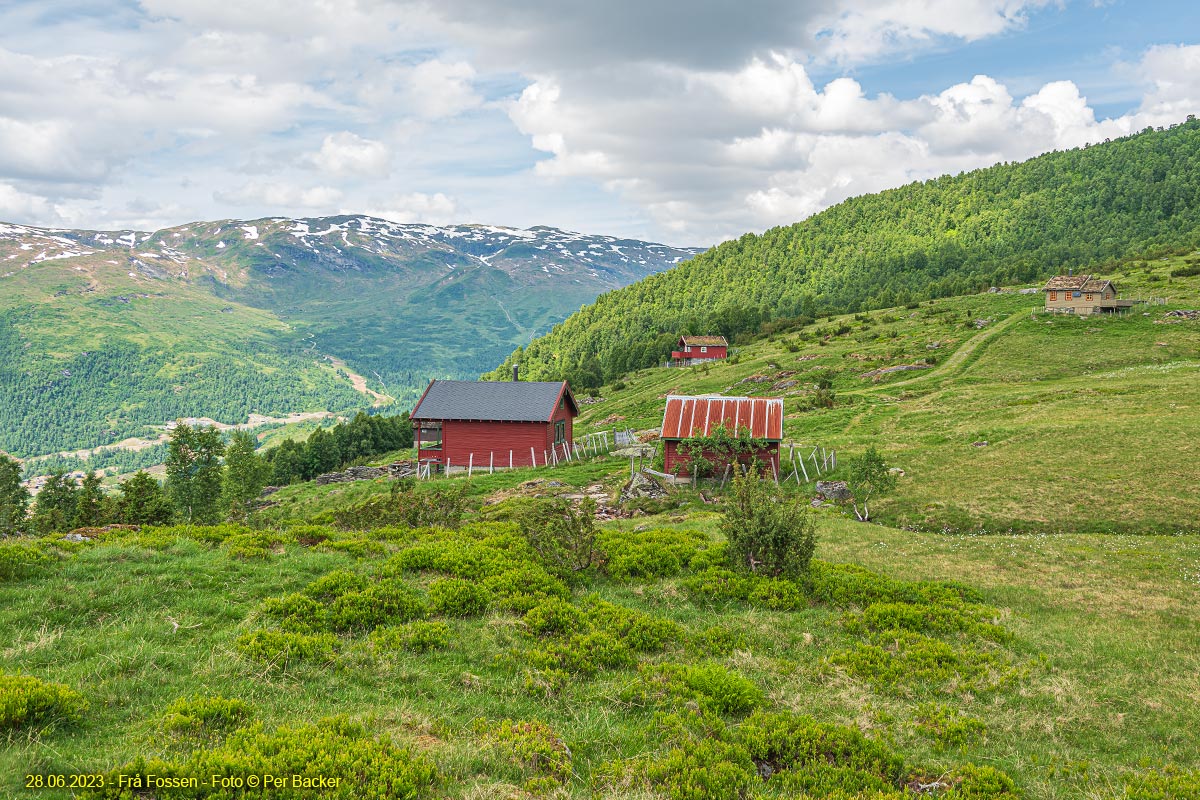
point(17, 205)
point(282, 196)
point(347, 153)
point(434, 209)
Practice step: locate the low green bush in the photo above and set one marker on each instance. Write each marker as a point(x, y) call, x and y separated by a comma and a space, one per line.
point(948, 729)
point(333, 585)
point(384, 603)
point(893, 659)
point(437, 507)
point(716, 584)
point(786, 741)
point(658, 553)
point(711, 687)
point(26, 700)
point(1167, 783)
point(933, 619)
point(205, 716)
point(554, 617)
point(282, 649)
point(21, 559)
point(704, 770)
point(972, 782)
point(846, 585)
point(297, 613)
point(351, 763)
point(716, 641)
point(418, 636)
point(455, 597)
point(581, 654)
point(532, 747)
point(521, 588)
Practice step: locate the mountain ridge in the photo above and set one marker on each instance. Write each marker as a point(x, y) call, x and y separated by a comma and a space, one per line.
point(308, 303)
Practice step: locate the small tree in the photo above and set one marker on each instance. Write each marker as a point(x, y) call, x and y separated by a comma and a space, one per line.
point(194, 473)
point(56, 504)
point(89, 503)
point(869, 477)
point(246, 473)
point(14, 498)
point(563, 535)
point(767, 533)
point(143, 502)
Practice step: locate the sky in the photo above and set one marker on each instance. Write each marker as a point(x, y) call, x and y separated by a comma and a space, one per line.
point(680, 122)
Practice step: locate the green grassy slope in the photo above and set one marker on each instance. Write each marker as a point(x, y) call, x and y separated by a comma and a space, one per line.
point(1091, 424)
point(1086, 691)
point(953, 235)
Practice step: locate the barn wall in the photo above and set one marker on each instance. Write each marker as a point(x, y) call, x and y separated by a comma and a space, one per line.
point(673, 457)
point(462, 439)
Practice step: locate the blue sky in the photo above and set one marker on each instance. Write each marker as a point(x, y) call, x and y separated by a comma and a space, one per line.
point(680, 122)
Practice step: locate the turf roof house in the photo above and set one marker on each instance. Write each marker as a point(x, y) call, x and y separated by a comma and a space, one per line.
point(698, 349)
point(688, 417)
point(1083, 295)
point(493, 423)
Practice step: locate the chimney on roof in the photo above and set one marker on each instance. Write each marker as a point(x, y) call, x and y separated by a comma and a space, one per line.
point(516, 372)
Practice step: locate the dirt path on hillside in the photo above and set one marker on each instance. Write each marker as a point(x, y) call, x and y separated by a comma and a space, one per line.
point(956, 362)
point(360, 383)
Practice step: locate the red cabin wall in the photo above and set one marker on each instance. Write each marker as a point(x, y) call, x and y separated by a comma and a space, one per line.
point(673, 457)
point(714, 351)
point(470, 442)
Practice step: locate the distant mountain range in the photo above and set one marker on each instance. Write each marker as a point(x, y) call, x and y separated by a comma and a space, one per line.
point(103, 333)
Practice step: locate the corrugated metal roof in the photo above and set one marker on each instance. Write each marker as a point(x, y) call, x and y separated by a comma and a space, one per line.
point(705, 341)
point(499, 401)
point(685, 417)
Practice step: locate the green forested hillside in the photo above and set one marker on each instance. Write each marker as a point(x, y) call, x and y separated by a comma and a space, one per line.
point(953, 235)
point(109, 335)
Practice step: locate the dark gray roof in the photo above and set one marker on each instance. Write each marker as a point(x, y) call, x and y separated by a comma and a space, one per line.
point(510, 401)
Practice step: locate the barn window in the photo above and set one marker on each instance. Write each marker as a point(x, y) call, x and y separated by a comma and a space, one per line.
point(703, 349)
point(687, 349)
point(1088, 297)
point(562, 402)
point(560, 431)
point(429, 436)
point(1054, 295)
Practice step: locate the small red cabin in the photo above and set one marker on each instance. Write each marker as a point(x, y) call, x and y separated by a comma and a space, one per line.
point(696, 349)
point(494, 423)
point(690, 417)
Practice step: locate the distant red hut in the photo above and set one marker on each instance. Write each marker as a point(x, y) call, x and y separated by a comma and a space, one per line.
point(494, 423)
point(698, 349)
point(692, 417)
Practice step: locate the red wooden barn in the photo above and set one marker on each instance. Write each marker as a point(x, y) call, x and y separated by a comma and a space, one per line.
point(695, 349)
point(690, 417)
point(493, 423)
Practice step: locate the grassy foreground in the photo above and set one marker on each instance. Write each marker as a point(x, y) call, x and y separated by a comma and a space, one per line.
point(1069, 663)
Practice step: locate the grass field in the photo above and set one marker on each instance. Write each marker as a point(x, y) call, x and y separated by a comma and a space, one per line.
point(1091, 424)
point(1085, 686)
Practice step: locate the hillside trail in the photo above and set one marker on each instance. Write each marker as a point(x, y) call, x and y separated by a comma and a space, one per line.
point(956, 363)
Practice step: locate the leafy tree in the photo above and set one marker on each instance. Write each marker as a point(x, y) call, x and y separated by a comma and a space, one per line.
point(194, 473)
point(246, 473)
point(143, 502)
point(56, 504)
point(89, 503)
point(869, 477)
point(14, 498)
point(563, 535)
point(321, 454)
point(767, 533)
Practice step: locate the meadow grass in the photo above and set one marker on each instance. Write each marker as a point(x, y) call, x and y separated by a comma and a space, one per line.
point(1103, 656)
